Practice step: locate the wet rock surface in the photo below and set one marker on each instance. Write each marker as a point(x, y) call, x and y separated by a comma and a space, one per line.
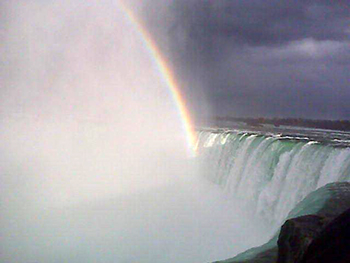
point(332, 244)
point(296, 235)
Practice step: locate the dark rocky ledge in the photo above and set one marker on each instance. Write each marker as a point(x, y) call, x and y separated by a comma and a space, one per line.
point(332, 243)
point(316, 230)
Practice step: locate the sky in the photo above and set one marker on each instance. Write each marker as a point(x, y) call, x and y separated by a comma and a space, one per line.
point(239, 58)
point(255, 58)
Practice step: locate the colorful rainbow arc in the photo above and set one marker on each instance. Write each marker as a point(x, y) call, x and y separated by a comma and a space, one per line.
point(167, 75)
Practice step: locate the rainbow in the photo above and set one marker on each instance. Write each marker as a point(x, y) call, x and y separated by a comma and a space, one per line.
point(167, 76)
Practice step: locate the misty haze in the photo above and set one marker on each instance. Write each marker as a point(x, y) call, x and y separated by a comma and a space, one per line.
point(129, 132)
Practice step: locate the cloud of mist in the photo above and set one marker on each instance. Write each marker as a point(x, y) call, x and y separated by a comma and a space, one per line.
point(93, 157)
point(80, 81)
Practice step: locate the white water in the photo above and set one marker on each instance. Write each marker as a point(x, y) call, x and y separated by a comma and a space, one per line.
point(269, 174)
point(93, 158)
point(69, 197)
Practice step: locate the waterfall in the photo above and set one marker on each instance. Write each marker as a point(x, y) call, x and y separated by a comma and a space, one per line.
point(270, 174)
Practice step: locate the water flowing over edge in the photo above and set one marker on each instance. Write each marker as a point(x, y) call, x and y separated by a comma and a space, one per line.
point(269, 174)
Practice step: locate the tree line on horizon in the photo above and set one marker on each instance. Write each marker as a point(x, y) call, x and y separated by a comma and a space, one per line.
point(343, 125)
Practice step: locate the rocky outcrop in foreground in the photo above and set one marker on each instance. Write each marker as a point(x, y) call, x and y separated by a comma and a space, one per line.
point(317, 230)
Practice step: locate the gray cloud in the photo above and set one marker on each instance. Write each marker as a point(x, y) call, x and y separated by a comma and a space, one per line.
point(260, 58)
point(259, 22)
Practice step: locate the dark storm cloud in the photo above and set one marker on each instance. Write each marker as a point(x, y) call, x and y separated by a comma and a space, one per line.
point(267, 22)
point(261, 57)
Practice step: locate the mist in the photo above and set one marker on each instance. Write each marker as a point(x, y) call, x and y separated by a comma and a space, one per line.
point(94, 164)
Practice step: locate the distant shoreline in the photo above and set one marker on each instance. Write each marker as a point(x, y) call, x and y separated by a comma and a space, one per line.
point(342, 125)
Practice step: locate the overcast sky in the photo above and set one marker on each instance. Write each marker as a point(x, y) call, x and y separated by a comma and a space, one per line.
point(243, 58)
point(267, 58)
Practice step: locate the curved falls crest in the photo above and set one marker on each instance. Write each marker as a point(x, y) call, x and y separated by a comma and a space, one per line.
point(269, 174)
